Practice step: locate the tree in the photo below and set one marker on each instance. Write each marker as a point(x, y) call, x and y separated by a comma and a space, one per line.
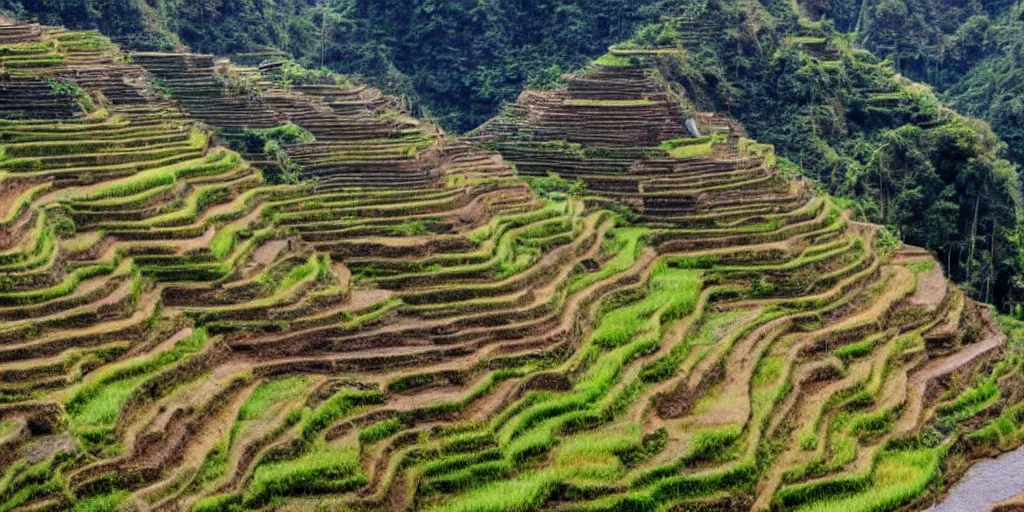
point(330, 16)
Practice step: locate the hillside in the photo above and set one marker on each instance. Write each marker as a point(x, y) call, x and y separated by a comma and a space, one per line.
point(459, 60)
point(971, 52)
point(361, 312)
point(795, 74)
point(851, 122)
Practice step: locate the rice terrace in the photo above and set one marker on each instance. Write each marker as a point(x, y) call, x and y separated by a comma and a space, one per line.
point(247, 285)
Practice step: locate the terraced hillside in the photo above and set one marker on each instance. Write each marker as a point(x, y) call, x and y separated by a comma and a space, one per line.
point(666, 323)
point(358, 137)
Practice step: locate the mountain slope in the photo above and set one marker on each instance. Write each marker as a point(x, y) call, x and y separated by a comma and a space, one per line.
point(459, 60)
point(856, 126)
point(406, 322)
point(971, 52)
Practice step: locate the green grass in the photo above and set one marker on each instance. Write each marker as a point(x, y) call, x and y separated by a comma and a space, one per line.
point(608, 103)
point(1004, 432)
point(223, 242)
point(270, 393)
point(219, 503)
point(104, 404)
point(710, 332)
point(848, 353)
point(808, 40)
point(100, 402)
point(216, 162)
point(626, 246)
point(971, 401)
point(918, 267)
point(896, 479)
point(555, 184)
point(613, 61)
point(65, 287)
point(713, 444)
point(671, 293)
point(524, 493)
point(585, 457)
point(22, 202)
point(38, 255)
point(102, 502)
point(314, 266)
point(380, 431)
point(691, 147)
point(532, 431)
point(343, 403)
point(768, 370)
point(324, 469)
point(214, 465)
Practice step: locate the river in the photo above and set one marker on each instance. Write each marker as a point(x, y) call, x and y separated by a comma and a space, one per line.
point(988, 482)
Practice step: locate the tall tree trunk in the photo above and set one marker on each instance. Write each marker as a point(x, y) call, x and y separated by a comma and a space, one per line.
point(860, 18)
point(974, 234)
point(960, 260)
point(881, 194)
point(949, 261)
point(323, 32)
point(991, 261)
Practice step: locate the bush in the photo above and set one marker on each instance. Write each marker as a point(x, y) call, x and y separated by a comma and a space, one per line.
point(258, 141)
point(555, 184)
point(547, 79)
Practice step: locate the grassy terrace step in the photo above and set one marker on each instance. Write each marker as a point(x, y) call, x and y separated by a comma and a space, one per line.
point(628, 319)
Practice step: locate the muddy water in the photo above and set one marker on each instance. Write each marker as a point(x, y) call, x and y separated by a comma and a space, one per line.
point(985, 484)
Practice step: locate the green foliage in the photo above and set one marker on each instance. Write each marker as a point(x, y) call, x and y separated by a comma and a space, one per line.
point(919, 267)
point(63, 226)
point(547, 79)
point(292, 73)
point(711, 444)
point(768, 370)
point(126, 21)
point(970, 402)
point(614, 61)
point(223, 242)
point(271, 142)
point(864, 133)
point(626, 244)
point(888, 239)
point(214, 465)
point(855, 350)
point(970, 52)
point(256, 141)
point(219, 503)
point(554, 186)
point(671, 293)
point(65, 88)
